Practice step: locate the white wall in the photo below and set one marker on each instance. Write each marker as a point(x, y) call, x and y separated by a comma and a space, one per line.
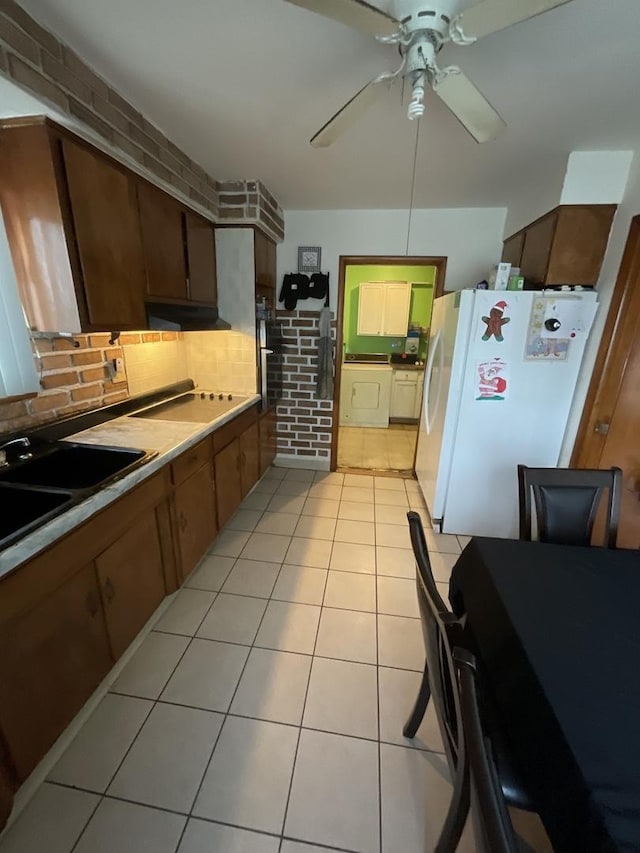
point(629, 208)
point(470, 238)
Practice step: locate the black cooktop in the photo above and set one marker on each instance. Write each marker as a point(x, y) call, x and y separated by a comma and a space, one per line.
point(200, 407)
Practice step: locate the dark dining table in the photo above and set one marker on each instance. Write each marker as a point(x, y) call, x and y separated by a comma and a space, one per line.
point(557, 631)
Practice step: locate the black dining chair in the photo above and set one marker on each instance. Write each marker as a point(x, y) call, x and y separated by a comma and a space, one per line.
point(490, 817)
point(566, 503)
point(441, 632)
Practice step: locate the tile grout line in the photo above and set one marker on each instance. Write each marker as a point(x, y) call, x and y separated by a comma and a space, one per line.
point(304, 703)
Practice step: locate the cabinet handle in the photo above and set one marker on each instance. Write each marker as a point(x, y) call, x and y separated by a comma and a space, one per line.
point(93, 603)
point(109, 590)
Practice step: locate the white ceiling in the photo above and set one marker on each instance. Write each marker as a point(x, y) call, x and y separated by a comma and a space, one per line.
point(241, 86)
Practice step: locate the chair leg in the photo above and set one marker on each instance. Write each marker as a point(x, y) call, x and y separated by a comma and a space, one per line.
point(415, 718)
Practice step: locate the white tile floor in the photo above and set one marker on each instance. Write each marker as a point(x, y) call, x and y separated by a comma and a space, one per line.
point(390, 449)
point(264, 712)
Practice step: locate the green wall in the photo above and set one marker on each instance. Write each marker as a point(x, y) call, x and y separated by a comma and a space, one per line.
point(422, 279)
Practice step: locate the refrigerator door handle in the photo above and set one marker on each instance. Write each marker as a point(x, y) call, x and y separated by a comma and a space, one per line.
point(436, 349)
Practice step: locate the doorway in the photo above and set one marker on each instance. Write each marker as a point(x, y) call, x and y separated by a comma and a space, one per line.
point(384, 315)
point(610, 425)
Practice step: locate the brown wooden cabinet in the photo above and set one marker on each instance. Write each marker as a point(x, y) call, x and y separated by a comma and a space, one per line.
point(163, 240)
point(268, 439)
point(566, 246)
point(228, 486)
point(107, 232)
point(195, 512)
point(53, 656)
point(265, 265)
point(131, 580)
point(249, 459)
point(201, 255)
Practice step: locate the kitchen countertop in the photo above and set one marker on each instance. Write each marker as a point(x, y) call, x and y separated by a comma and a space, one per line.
point(169, 438)
point(408, 366)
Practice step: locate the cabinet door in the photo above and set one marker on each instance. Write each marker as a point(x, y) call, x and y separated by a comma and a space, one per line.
point(580, 244)
point(201, 254)
point(196, 517)
point(261, 258)
point(163, 241)
point(249, 458)
point(268, 440)
point(53, 657)
point(512, 249)
point(403, 399)
point(537, 249)
point(107, 230)
point(370, 308)
point(396, 309)
point(228, 486)
point(131, 580)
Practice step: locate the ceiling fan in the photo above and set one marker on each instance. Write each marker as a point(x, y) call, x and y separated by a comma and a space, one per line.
point(420, 28)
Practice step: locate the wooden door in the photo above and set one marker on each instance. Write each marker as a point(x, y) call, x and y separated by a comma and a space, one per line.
point(53, 657)
point(163, 241)
point(107, 230)
point(610, 425)
point(512, 249)
point(271, 265)
point(249, 458)
point(8, 784)
point(201, 254)
point(195, 516)
point(268, 440)
point(228, 485)
point(131, 579)
point(537, 248)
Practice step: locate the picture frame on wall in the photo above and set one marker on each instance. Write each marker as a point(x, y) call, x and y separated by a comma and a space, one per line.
point(309, 258)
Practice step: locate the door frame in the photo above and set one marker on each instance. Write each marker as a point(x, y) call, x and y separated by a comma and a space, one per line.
point(617, 340)
point(439, 262)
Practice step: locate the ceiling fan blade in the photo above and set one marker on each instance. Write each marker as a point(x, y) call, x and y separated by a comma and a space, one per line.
point(469, 106)
point(348, 114)
point(489, 16)
point(354, 13)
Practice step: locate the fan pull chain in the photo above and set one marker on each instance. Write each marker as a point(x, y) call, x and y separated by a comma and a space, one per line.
point(413, 184)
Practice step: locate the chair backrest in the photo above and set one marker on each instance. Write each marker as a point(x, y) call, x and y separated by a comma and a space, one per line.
point(566, 503)
point(441, 632)
point(490, 815)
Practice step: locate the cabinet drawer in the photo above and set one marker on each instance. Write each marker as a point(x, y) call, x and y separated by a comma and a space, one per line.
point(405, 376)
point(225, 434)
point(189, 462)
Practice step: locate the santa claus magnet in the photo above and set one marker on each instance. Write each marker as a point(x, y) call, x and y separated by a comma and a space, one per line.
point(495, 321)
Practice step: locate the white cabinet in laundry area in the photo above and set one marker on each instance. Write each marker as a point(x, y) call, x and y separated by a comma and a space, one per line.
point(406, 394)
point(383, 308)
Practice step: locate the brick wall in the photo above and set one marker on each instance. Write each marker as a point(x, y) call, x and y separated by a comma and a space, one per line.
point(73, 379)
point(304, 421)
point(37, 61)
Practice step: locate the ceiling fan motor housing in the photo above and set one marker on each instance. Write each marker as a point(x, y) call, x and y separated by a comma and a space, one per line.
point(417, 15)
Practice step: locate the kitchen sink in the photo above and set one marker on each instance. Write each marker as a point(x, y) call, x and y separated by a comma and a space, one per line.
point(75, 466)
point(25, 508)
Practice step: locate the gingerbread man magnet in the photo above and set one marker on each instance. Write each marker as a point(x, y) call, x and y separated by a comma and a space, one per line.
point(495, 321)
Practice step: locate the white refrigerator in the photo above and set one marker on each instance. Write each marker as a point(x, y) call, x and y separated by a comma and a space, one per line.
point(499, 383)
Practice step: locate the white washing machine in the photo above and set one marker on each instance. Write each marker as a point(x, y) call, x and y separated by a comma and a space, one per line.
point(365, 395)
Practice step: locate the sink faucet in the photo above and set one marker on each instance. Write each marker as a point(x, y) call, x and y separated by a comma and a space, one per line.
point(15, 442)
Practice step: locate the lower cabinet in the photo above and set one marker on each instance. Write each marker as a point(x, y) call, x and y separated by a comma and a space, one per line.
point(53, 657)
point(228, 485)
point(131, 581)
point(195, 512)
point(268, 439)
point(249, 459)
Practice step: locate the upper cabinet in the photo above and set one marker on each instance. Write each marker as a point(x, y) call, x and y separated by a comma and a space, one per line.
point(566, 246)
point(265, 263)
point(201, 258)
point(90, 240)
point(163, 240)
point(383, 308)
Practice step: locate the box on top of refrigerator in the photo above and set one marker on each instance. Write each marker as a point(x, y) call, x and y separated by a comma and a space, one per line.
point(499, 278)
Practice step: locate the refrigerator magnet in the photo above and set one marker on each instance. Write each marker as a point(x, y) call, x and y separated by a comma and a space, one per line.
point(495, 321)
point(492, 380)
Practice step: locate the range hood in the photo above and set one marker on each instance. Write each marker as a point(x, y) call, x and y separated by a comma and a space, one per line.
point(184, 317)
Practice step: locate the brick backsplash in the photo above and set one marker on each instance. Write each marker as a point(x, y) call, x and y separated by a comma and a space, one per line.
point(37, 60)
point(304, 421)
